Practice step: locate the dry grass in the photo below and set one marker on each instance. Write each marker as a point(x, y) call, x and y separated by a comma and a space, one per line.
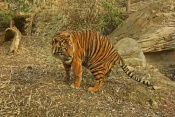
point(76, 15)
point(31, 84)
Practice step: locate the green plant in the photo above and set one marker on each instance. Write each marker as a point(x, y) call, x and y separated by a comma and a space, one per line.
point(14, 6)
point(93, 15)
point(110, 17)
point(19, 5)
point(81, 15)
point(122, 3)
point(5, 16)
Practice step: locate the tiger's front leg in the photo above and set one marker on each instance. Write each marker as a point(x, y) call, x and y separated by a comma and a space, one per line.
point(67, 71)
point(77, 70)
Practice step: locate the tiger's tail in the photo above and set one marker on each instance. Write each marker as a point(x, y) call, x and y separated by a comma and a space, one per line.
point(142, 80)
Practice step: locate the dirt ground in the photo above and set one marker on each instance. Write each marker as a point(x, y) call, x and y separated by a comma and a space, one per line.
point(32, 85)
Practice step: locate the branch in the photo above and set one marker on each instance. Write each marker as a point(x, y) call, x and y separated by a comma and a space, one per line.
point(15, 35)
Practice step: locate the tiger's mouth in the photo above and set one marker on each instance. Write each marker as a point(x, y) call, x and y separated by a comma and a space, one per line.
point(64, 58)
point(67, 60)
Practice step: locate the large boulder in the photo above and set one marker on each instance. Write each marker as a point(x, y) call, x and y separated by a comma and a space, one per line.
point(131, 51)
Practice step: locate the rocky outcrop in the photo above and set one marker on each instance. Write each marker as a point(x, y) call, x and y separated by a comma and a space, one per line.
point(162, 39)
point(153, 27)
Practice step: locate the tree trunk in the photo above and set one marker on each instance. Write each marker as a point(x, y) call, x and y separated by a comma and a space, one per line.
point(128, 5)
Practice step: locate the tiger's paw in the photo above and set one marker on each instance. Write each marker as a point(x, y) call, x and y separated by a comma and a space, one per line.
point(75, 86)
point(66, 78)
point(92, 89)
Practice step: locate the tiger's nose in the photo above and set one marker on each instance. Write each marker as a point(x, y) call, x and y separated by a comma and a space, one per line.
point(70, 57)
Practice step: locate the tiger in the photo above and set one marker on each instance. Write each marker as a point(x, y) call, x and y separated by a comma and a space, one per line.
point(90, 49)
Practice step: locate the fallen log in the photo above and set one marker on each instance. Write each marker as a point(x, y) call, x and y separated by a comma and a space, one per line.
point(162, 39)
point(12, 33)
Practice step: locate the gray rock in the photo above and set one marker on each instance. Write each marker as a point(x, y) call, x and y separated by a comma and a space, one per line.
point(131, 51)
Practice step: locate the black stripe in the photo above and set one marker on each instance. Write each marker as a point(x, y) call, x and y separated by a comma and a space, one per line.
point(93, 47)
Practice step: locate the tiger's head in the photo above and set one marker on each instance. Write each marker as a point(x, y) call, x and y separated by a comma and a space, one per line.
point(62, 47)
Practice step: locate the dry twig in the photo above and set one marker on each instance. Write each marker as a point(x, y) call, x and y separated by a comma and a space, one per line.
point(15, 35)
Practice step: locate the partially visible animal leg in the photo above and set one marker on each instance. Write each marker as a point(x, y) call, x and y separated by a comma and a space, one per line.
point(67, 72)
point(99, 83)
point(77, 69)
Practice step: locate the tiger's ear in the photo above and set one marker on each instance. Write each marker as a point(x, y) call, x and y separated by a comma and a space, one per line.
point(68, 36)
point(57, 33)
point(54, 40)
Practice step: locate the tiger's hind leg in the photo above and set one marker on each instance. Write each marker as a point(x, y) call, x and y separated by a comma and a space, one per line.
point(99, 73)
point(99, 83)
